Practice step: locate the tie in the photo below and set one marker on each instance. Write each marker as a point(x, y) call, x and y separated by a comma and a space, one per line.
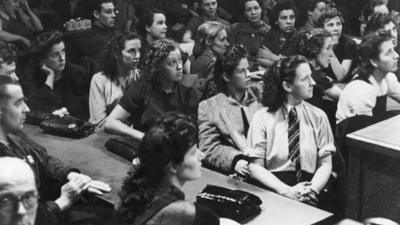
point(294, 141)
point(245, 122)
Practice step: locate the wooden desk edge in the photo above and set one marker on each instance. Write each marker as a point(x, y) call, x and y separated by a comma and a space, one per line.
point(354, 140)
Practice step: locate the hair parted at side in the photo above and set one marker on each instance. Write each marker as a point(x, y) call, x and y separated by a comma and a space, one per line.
point(274, 95)
point(43, 43)
point(166, 142)
point(312, 41)
point(369, 49)
point(377, 21)
point(5, 81)
point(155, 57)
point(206, 31)
point(146, 19)
point(227, 63)
point(111, 54)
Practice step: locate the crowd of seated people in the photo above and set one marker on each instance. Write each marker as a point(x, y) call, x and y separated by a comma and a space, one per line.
point(322, 78)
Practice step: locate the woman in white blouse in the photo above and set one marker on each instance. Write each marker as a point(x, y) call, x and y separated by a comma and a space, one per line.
point(291, 139)
point(119, 63)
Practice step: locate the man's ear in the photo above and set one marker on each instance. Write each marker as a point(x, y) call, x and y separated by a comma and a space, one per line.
point(96, 14)
point(287, 86)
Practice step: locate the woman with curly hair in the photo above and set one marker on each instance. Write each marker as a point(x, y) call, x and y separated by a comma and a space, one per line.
point(152, 192)
point(158, 92)
point(226, 115)
point(316, 45)
point(120, 58)
point(211, 42)
point(51, 84)
point(292, 138)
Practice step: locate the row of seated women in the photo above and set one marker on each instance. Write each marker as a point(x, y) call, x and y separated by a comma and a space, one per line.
point(279, 140)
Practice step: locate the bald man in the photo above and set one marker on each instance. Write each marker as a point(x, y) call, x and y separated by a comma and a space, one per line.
point(19, 195)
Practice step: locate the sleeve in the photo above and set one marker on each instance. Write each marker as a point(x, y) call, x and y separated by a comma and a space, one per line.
point(357, 99)
point(97, 102)
point(322, 81)
point(325, 141)
point(50, 166)
point(218, 155)
point(394, 87)
point(205, 216)
point(257, 135)
point(133, 99)
point(44, 99)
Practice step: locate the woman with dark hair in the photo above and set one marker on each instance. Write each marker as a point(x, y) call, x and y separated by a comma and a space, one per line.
point(152, 26)
point(51, 84)
point(227, 113)
point(211, 42)
point(208, 12)
point(119, 61)
point(152, 192)
point(344, 48)
point(316, 45)
point(366, 95)
point(277, 42)
point(251, 32)
point(292, 138)
point(159, 91)
point(310, 14)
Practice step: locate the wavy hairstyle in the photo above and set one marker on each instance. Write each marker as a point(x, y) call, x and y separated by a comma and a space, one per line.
point(274, 95)
point(43, 43)
point(207, 31)
point(8, 52)
point(377, 21)
point(146, 19)
point(312, 41)
point(111, 54)
point(280, 6)
point(369, 49)
point(166, 142)
point(227, 63)
point(330, 14)
point(155, 58)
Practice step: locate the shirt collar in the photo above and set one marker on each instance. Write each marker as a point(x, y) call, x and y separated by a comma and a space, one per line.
point(287, 107)
point(249, 97)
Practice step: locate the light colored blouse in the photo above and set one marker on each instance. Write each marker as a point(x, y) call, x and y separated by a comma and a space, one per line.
point(359, 97)
point(268, 136)
point(105, 94)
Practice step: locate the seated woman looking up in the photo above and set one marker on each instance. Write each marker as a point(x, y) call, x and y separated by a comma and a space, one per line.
point(366, 95)
point(51, 84)
point(227, 113)
point(292, 138)
point(119, 61)
point(316, 45)
point(152, 192)
point(211, 42)
point(159, 91)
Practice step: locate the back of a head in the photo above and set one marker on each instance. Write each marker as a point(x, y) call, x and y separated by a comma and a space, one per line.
point(8, 52)
point(311, 42)
point(330, 14)
point(206, 31)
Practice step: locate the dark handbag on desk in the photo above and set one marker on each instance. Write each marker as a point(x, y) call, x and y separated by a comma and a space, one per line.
point(123, 146)
point(67, 126)
point(233, 204)
point(36, 117)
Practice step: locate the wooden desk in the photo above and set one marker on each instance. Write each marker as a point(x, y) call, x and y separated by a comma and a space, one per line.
point(373, 171)
point(91, 157)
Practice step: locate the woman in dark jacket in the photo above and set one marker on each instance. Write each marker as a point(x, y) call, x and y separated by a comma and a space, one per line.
point(51, 84)
point(152, 192)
